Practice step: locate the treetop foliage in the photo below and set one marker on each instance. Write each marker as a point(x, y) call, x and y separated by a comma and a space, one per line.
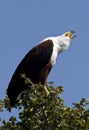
point(37, 111)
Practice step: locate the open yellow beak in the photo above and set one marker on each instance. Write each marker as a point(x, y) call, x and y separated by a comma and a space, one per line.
point(70, 34)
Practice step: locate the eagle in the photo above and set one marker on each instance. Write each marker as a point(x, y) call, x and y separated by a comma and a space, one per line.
point(37, 64)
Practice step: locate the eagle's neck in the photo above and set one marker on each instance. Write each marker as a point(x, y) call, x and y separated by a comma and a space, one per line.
point(63, 43)
point(59, 45)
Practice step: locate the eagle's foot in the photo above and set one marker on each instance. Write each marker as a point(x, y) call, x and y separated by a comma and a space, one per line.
point(46, 90)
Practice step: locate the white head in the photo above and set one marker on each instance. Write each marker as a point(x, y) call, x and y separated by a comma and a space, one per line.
point(64, 39)
point(68, 35)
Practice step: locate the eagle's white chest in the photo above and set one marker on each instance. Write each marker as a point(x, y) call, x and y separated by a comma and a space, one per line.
point(59, 45)
point(55, 53)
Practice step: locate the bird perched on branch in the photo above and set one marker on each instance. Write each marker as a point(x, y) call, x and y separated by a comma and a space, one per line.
point(37, 64)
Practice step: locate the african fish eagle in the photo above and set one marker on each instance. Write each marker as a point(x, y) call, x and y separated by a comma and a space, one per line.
point(37, 64)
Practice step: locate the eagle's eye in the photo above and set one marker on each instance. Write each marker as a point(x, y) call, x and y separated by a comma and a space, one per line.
point(66, 34)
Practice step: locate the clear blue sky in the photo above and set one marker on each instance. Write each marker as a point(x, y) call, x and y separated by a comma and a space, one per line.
point(24, 23)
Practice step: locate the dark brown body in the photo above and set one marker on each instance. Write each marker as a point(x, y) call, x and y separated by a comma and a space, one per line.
point(36, 65)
